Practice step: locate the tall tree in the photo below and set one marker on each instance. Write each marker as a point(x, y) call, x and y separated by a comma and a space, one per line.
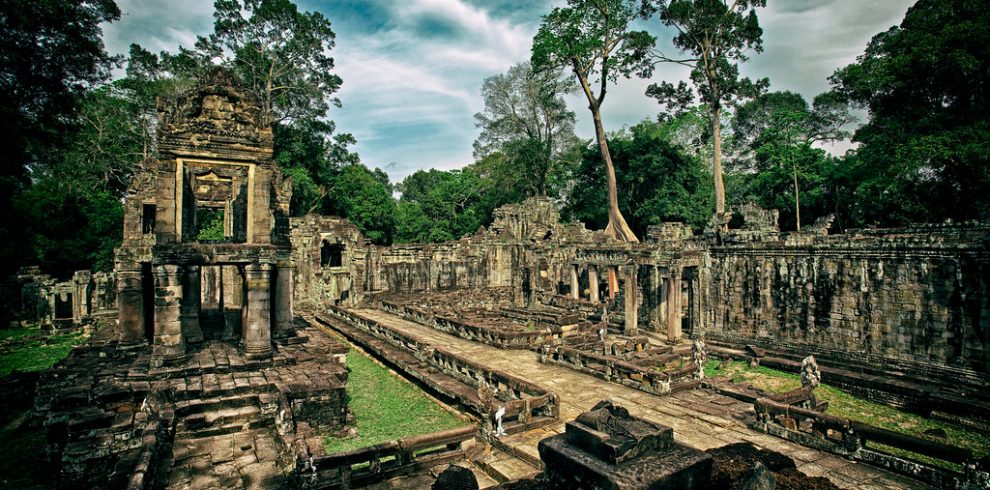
point(593, 39)
point(53, 52)
point(779, 129)
point(926, 87)
point(280, 53)
point(715, 35)
point(527, 120)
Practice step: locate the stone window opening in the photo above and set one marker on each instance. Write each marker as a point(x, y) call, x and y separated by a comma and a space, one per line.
point(148, 212)
point(210, 224)
point(331, 254)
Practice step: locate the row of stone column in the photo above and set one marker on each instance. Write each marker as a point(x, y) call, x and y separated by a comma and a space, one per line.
point(631, 306)
point(177, 307)
point(668, 311)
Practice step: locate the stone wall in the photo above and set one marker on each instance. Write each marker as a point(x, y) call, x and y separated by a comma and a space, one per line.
point(907, 296)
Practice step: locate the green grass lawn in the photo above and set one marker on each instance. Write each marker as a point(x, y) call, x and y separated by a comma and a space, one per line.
point(387, 407)
point(26, 349)
point(843, 404)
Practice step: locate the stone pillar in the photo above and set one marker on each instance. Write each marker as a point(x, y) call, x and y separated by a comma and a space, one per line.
point(575, 283)
point(656, 299)
point(593, 283)
point(674, 305)
point(191, 288)
point(613, 282)
point(632, 305)
point(284, 316)
point(232, 300)
point(169, 345)
point(130, 303)
point(257, 326)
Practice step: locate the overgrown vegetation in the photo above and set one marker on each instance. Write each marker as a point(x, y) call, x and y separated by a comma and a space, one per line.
point(26, 349)
point(386, 407)
point(843, 404)
point(19, 453)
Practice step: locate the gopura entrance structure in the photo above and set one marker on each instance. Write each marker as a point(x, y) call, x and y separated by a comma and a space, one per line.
point(205, 253)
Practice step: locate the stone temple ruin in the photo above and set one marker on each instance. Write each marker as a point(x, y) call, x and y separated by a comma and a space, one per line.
point(225, 364)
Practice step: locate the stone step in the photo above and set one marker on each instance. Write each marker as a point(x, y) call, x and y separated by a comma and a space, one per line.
point(229, 427)
point(503, 467)
point(192, 407)
point(484, 481)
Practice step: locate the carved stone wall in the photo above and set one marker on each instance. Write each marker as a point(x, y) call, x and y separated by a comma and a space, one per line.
point(918, 295)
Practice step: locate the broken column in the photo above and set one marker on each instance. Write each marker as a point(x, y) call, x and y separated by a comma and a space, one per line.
point(130, 303)
point(190, 304)
point(257, 326)
point(632, 306)
point(169, 346)
point(607, 448)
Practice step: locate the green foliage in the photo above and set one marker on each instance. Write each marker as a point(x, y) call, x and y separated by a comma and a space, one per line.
point(52, 52)
point(922, 155)
point(715, 36)
point(210, 224)
point(592, 37)
point(386, 407)
point(660, 182)
point(527, 123)
point(366, 199)
point(776, 132)
point(282, 54)
point(439, 205)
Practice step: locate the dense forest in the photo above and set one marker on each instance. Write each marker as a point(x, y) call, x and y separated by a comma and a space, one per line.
point(76, 134)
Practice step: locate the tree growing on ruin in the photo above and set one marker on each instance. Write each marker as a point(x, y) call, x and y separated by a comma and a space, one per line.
point(527, 121)
point(592, 38)
point(714, 36)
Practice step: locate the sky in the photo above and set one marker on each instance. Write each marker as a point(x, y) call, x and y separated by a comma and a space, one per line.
point(413, 69)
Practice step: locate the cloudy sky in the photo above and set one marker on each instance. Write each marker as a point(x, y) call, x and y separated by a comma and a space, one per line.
point(413, 69)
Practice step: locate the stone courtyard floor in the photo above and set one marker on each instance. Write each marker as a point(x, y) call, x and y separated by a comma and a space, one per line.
point(699, 418)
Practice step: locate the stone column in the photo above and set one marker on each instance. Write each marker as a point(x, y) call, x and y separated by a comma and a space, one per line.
point(284, 317)
point(613, 282)
point(232, 301)
point(632, 305)
point(674, 305)
point(130, 303)
point(170, 346)
point(575, 283)
point(655, 299)
point(191, 287)
point(257, 326)
point(593, 282)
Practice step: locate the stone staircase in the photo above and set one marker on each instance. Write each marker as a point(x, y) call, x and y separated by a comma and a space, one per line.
point(219, 415)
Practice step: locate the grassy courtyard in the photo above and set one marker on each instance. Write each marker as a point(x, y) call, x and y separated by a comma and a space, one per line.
point(843, 404)
point(26, 349)
point(387, 407)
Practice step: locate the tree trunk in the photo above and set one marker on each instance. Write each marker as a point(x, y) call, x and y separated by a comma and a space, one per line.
point(617, 227)
point(717, 160)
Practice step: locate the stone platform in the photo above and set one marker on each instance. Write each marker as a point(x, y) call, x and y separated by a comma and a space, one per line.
point(218, 419)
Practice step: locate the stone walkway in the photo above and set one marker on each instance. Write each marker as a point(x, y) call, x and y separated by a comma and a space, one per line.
point(699, 418)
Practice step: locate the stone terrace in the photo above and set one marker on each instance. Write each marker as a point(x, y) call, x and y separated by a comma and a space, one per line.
point(700, 419)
